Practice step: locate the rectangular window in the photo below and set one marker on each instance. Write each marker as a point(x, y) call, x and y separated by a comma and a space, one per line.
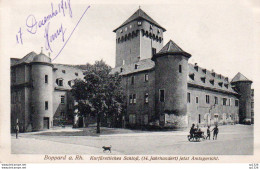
point(207, 99)
point(197, 99)
point(134, 98)
point(154, 51)
point(62, 99)
point(229, 102)
point(146, 99)
point(130, 99)
point(180, 69)
point(216, 100)
point(46, 78)
point(46, 105)
point(13, 76)
point(161, 95)
point(132, 80)
point(224, 101)
point(188, 97)
point(236, 103)
point(146, 77)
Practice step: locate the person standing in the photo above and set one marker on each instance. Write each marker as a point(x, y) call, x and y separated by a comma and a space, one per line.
point(215, 132)
point(17, 130)
point(208, 133)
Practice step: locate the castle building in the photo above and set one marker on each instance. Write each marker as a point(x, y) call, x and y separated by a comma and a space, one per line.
point(163, 88)
point(40, 92)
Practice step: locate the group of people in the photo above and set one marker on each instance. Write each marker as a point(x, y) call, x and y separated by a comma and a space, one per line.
point(215, 131)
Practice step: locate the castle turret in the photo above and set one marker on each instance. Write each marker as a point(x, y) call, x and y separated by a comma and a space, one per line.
point(171, 71)
point(137, 38)
point(243, 86)
point(41, 96)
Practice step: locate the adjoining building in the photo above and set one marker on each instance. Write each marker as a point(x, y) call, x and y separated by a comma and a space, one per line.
point(40, 92)
point(163, 88)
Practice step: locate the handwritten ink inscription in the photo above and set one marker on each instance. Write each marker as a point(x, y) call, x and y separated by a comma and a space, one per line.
point(33, 26)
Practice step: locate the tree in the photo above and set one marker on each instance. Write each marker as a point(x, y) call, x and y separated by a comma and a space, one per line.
point(99, 93)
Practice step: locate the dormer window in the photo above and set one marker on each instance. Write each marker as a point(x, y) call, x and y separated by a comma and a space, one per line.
point(213, 74)
point(192, 76)
point(220, 84)
point(226, 79)
point(204, 71)
point(226, 85)
point(139, 23)
point(203, 79)
point(196, 67)
point(136, 66)
point(219, 76)
point(59, 82)
point(121, 69)
point(121, 31)
point(212, 81)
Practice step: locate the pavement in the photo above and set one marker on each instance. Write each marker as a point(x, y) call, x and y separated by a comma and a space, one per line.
point(232, 140)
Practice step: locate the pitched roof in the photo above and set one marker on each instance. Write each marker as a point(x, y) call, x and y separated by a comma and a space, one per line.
point(171, 48)
point(208, 79)
point(142, 65)
point(201, 77)
point(239, 77)
point(140, 14)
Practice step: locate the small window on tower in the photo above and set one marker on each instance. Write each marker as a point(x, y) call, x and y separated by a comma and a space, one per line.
point(139, 23)
point(46, 78)
point(46, 105)
point(180, 69)
point(146, 77)
point(132, 80)
point(161, 95)
point(188, 97)
point(154, 51)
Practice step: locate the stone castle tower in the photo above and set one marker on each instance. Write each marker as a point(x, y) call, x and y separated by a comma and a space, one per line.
point(172, 60)
point(137, 38)
point(243, 86)
point(41, 95)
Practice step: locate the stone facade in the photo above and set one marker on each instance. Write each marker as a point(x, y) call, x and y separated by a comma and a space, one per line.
point(40, 92)
point(163, 89)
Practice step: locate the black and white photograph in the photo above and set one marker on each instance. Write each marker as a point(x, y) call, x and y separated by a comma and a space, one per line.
point(130, 81)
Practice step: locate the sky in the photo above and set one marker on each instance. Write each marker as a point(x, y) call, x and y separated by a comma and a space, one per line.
point(219, 35)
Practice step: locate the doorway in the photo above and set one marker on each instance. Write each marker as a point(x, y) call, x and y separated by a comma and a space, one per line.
point(46, 123)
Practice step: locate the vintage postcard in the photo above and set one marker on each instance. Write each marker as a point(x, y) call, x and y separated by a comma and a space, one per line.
point(130, 81)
